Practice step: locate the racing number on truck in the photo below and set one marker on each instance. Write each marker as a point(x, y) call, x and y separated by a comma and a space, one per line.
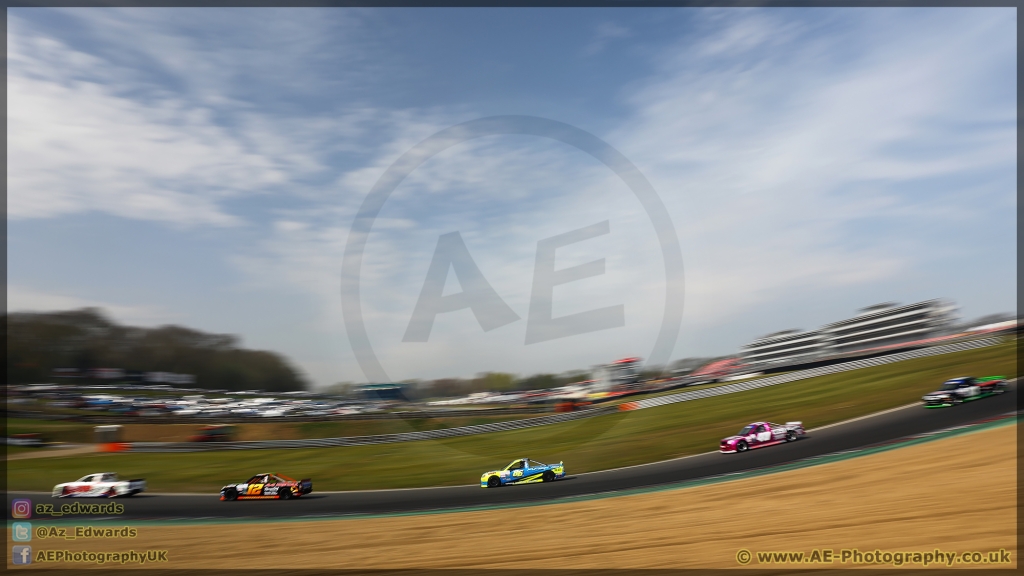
point(517, 472)
point(255, 489)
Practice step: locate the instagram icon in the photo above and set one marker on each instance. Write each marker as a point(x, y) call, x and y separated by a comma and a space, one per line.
point(21, 508)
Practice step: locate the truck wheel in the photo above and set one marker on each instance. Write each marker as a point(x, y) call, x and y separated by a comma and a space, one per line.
point(741, 446)
point(231, 494)
point(493, 482)
point(790, 436)
point(548, 476)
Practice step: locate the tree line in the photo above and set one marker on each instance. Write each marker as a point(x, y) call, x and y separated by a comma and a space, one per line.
point(39, 343)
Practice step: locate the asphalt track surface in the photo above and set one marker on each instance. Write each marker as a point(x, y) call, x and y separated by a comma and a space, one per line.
point(882, 428)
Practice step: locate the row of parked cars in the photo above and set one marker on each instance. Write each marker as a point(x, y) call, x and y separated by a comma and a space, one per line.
point(195, 405)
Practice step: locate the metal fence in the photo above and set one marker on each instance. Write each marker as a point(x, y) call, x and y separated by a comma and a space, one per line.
point(364, 440)
point(234, 419)
point(564, 417)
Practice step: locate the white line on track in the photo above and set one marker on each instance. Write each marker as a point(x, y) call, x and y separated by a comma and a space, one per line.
point(897, 409)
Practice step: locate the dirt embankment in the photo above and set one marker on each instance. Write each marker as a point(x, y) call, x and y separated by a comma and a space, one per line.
point(956, 494)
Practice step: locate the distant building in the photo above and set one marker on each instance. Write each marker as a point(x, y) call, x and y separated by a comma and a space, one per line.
point(622, 372)
point(626, 370)
point(67, 373)
point(169, 378)
point(882, 325)
point(786, 347)
point(889, 324)
point(1005, 326)
point(716, 369)
point(107, 373)
point(383, 392)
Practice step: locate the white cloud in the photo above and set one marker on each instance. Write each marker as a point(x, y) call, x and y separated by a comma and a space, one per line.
point(768, 166)
point(503, 194)
point(605, 33)
point(792, 161)
point(771, 163)
point(90, 133)
point(74, 146)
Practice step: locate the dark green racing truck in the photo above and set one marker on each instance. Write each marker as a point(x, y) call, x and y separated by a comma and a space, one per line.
point(964, 389)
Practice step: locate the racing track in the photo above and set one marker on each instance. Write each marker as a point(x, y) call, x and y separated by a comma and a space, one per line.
point(881, 428)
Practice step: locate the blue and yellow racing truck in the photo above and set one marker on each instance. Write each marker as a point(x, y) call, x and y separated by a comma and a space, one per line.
point(522, 471)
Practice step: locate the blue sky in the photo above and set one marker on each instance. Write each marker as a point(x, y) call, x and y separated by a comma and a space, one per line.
point(203, 167)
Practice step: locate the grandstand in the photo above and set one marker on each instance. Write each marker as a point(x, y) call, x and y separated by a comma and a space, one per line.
point(786, 347)
point(889, 324)
point(876, 329)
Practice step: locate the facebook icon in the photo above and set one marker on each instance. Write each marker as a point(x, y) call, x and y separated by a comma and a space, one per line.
point(22, 555)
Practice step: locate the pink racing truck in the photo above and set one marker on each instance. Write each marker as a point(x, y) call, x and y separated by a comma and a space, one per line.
point(761, 434)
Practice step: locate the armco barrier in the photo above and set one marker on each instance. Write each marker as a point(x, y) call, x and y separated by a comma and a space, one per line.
point(364, 440)
point(564, 417)
point(230, 419)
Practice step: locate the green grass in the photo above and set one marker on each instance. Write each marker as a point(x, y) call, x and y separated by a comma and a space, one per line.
point(339, 428)
point(52, 430)
point(621, 439)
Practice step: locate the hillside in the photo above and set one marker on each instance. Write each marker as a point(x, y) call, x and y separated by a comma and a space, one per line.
point(38, 343)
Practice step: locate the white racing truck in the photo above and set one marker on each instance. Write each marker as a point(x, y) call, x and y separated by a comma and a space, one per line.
point(100, 485)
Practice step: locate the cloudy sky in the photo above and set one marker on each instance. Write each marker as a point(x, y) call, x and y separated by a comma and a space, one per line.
point(204, 167)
